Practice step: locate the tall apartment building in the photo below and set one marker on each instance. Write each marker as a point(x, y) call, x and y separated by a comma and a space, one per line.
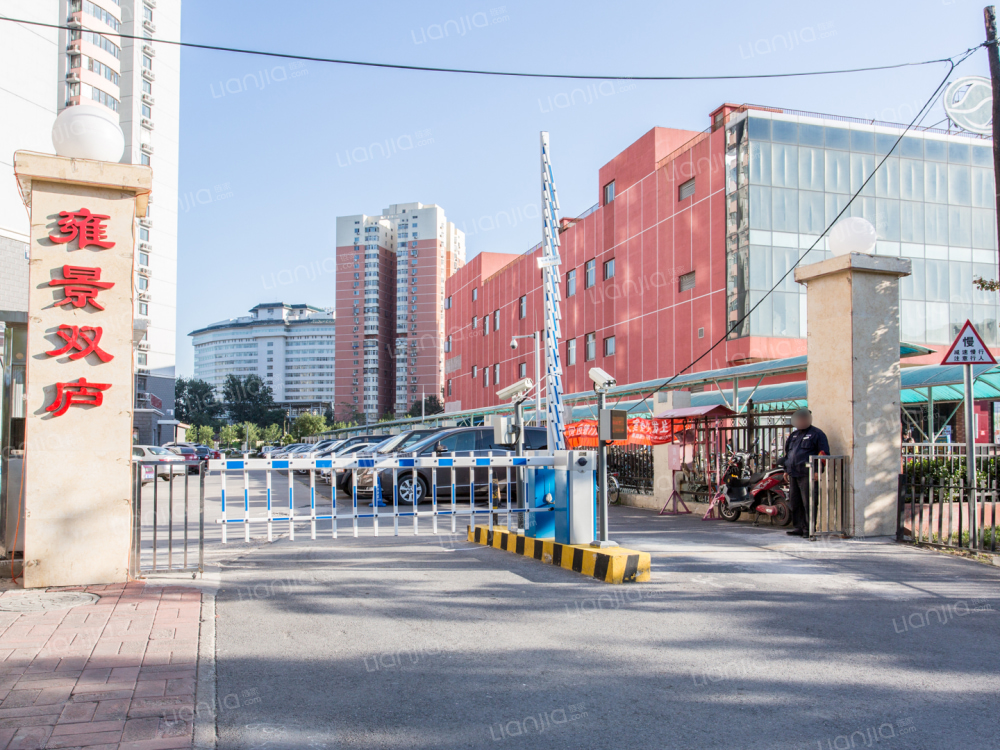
point(93, 63)
point(391, 273)
point(291, 347)
point(691, 230)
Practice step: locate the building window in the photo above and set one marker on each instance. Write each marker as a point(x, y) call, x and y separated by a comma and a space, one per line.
point(609, 192)
point(486, 376)
point(143, 308)
point(143, 282)
point(609, 346)
point(522, 307)
point(147, 111)
point(496, 374)
point(475, 321)
point(687, 281)
point(143, 259)
point(144, 159)
point(590, 274)
point(686, 190)
point(447, 303)
point(475, 371)
point(571, 352)
point(449, 388)
point(609, 269)
point(571, 282)
point(496, 320)
point(475, 294)
point(147, 62)
point(447, 345)
point(590, 347)
point(522, 370)
point(142, 359)
point(701, 333)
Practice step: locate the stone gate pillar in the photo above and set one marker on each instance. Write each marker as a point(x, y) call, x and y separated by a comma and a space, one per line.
point(853, 371)
point(80, 384)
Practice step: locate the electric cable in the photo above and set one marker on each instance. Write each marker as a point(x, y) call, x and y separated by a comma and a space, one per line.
point(473, 71)
point(919, 116)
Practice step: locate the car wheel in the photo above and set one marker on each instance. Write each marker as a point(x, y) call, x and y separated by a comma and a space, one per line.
point(406, 490)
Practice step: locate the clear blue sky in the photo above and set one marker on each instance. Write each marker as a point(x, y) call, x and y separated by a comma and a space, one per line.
point(265, 171)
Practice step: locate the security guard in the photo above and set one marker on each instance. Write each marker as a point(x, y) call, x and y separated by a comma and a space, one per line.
point(804, 442)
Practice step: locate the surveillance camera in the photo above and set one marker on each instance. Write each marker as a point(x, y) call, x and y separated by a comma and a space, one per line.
point(514, 391)
point(602, 379)
point(513, 343)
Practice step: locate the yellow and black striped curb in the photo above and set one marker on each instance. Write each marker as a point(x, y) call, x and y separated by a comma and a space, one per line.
point(611, 565)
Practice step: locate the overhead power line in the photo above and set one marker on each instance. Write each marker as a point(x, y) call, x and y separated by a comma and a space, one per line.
point(506, 73)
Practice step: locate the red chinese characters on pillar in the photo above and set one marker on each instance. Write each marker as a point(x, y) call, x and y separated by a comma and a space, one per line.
point(84, 339)
point(77, 393)
point(84, 226)
point(81, 286)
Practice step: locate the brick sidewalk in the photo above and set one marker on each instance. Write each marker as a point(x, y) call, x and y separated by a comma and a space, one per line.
point(119, 673)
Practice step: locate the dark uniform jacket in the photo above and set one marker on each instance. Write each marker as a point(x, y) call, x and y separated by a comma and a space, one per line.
point(802, 444)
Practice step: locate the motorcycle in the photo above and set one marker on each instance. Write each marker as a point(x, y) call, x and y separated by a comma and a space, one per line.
point(762, 493)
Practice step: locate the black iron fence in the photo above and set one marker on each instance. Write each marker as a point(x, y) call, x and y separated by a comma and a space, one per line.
point(634, 466)
point(936, 504)
point(705, 442)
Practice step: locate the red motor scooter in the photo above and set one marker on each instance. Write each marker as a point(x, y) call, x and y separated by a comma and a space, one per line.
point(763, 493)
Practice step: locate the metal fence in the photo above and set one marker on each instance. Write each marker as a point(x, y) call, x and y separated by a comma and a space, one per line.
point(391, 486)
point(830, 509)
point(937, 507)
point(168, 521)
point(705, 441)
point(633, 464)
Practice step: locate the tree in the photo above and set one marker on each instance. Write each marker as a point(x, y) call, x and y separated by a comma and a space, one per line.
point(350, 414)
point(272, 434)
point(229, 434)
point(249, 433)
point(250, 399)
point(195, 402)
point(191, 434)
point(432, 405)
point(205, 435)
point(308, 424)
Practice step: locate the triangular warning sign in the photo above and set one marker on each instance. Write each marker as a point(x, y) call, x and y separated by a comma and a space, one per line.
point(968, 349)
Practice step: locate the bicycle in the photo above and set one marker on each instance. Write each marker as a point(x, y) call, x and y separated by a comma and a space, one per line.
point(614, 489)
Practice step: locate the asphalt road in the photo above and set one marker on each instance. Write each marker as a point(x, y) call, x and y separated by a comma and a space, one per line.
point(742, 640)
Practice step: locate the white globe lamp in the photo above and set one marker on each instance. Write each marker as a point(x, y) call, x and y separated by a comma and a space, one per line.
point(87, 131)
point(852, 235)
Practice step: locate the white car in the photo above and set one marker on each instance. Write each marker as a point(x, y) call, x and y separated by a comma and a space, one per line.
point(168, 463)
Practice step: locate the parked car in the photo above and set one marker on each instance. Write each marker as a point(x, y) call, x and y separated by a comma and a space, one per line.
point(266, 450)
point(187, 453)
point(205, 453)
point(457, 442)
point(394, 445)
point(287, 450)
point(345, 450)
point(171, 462)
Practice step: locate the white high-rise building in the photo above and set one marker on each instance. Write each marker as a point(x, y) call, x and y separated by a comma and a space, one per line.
point(94, 62)
point(291, 347)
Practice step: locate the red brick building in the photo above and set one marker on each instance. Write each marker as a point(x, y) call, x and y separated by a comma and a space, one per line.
point(644, 280)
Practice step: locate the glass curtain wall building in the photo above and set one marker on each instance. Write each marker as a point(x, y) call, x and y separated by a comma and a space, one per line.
point(789, 175)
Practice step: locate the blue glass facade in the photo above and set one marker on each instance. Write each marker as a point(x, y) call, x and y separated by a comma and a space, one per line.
point(932, 201)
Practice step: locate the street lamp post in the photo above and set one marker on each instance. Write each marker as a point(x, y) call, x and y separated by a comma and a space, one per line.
point(538, 381)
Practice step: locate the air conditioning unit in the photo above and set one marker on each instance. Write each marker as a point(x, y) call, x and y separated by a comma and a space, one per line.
point(148, 50)
point(74, 23)
point(142, 371)
point(147, 148)
point(148, 74)
point(149, 26)
point(146, 123)
point(143, 346)
point(145, 222)
point(145, 247)
point(150, 3)
point(144, 271)
point(145, 297)
point(73, 77)
point(148, 99)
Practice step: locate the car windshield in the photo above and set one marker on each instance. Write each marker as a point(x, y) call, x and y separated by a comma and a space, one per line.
point(387, 446)
point(157, 451)
point(346, 450)
point(415, 437)
point(422, 444)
